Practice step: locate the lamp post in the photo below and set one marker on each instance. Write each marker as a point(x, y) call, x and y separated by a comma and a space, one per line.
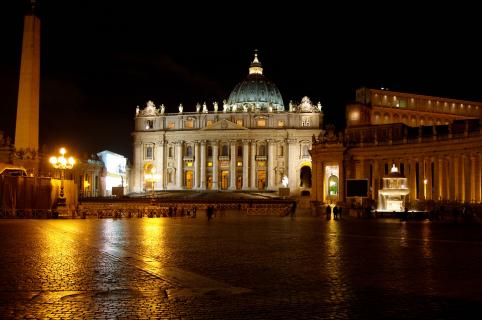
point(62, 163)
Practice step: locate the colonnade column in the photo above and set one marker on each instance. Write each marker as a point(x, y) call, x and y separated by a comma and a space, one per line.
point(215, 164)
point(159, 160)
point(202, 184)
point(473, 174)
point(271, 182)
point(179, 169)
point(451, 172)
point(428, 176)
point(196, 165)
point(478, 178)
point(232, 165)
point(253, 165)
point(291, 143)
point(437, 192)
point(137, 183)
point(245, 164)
point(413, 180)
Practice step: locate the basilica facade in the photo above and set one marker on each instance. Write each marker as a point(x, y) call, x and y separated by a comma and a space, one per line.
point(249, 142)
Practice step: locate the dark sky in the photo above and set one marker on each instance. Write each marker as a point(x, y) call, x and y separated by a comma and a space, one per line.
point(100, 59)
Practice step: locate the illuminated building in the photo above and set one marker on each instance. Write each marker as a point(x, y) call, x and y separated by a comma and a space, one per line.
point(248, 143)
point(435, 142)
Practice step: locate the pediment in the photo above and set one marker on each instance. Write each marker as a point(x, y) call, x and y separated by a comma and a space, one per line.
point(224, 125)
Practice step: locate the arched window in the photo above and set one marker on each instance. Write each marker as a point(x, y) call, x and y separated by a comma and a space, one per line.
point(189, 151)
point(333, 185)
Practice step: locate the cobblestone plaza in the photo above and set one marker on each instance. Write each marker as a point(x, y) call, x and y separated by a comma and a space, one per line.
point(239, 267)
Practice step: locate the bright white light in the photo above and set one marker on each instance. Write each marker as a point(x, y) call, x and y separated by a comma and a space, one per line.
point(284, 182)
point(394, 168)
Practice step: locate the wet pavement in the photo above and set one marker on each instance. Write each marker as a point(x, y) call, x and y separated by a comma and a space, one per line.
point(239, 267)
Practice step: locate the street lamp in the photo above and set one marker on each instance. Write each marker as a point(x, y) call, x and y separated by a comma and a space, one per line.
point(151, 176)
point(62, 163)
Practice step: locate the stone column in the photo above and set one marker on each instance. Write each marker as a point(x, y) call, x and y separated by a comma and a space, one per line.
point(437, 195)
point(478, 178)
point(473, 174)
point(137, 174)
point(215, 164)
point(253, 165)
point(413, 180)
point(428, 176)
point(271, 182)
point(245, 164)
point(291, 167)
point(341, 180)
point(197, 161)
point(232, 165)
point(421, 177)
point(179, 169)
point(202, 184)
point(159, 163)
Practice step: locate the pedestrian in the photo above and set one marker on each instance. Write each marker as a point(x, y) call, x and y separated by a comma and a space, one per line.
point(335, 213)
point(209, 212)
point(328, 212)
point(194, 212)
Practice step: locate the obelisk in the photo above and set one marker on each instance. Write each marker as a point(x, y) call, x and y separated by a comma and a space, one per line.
point(27, 125)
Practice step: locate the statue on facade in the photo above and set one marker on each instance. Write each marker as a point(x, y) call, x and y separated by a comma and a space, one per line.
point(205, 108)
point(225, 106)
point(163, 109)
point(215, 106)
point(198, 107)
point(137, 111)
point(245, 108)
point(319, 106)
point(181, 108)
point(291, 109)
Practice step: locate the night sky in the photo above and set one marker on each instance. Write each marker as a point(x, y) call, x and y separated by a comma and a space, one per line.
point(100, 59)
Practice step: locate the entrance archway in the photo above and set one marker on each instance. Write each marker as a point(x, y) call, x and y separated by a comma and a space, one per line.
point(224, 179)
point(305, 177)
point(188, 177)
point(261, 179)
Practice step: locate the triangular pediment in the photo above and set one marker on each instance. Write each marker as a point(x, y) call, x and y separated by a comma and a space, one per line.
point(224, 125)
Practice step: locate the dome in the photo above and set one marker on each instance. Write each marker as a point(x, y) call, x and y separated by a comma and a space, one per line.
point(256, 91)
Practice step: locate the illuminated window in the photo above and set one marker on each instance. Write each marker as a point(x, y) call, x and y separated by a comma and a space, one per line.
point(148, 154)
point(355, 115)
point(261, 123)
point(149, 124)
point(188, 163)
point(261, 163)
point(239, 163)
point(210, 164)
point(170, 125)
point(188, 124)
point(281, 123)
point(239, 122)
